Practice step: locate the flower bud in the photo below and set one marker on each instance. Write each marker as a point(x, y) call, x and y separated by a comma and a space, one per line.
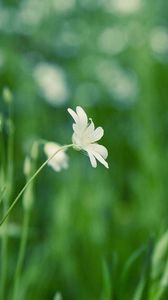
point(28, 198)
point(34, 151)
point(28, 194)
point(7, 95)
point(58, 296)
point(27, 167)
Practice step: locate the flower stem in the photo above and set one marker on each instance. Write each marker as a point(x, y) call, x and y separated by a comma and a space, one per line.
point(7, 178)
point(28, 197)
point(21, 252)
point(3, 258)
point(29, 181)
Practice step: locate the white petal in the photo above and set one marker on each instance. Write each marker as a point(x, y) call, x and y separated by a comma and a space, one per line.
point(92, 152)
point(60, 160)
point(101, 159)
point(54, 166)
point(50, 148)
point(79, 128)
point(100, 149)
point(92, 159)
point(76, 140)
point(98, 133)
point(73, 115)
point(90, 129)
point(82, 116)
point(76, 128)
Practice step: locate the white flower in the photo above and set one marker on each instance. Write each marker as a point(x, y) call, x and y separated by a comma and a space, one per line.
point(52, 83)
point(85, 137)
point(60, 160)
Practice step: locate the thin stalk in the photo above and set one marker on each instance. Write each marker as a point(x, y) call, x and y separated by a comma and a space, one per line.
point(3, 255)
point(29, 182)
point(3, 240)
point(3, 258)
point(8, 179)
point(27, 197)
point(21, 253)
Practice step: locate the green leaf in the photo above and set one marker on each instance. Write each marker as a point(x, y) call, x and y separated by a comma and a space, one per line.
point(130, 262)
point(107, 287)
point(143, 288)
point(159, 256)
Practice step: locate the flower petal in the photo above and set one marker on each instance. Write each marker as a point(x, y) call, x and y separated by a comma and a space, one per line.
point(76, 128)
point(92, 159)
point(73, 115)
point(85, 137)
point(56, 167)
point(90, 129)
point(100, 159)
point(97, 135)
point(100, 149)
point(91, 150)
point(60, 160)
point(82, 116)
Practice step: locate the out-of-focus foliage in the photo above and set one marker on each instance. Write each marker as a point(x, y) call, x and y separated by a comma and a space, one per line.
point(111, 57)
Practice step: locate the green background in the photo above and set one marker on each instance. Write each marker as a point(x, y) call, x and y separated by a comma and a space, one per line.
point(113, 62)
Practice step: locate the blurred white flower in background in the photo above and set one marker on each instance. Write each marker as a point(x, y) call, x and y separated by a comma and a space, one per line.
point(68, 41)
point(112, 40)
point(159, 41)
point(123, 6)
point(52, 83)
point(31, 12)
point(85, 137)
point(124, 87)
point(60, 160)
point(121, 84)
point(63, 5)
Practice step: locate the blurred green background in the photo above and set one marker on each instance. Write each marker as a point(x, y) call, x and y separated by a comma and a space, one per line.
point(110, 57)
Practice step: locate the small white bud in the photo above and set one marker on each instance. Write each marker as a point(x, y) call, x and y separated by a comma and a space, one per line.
point(7, 95)
point(58, 296)
point(27, 166)
point(28, 198)
point(34, 150)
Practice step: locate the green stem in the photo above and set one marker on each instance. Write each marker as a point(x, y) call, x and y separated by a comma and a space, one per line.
point(21, 253)
point(3, 261)
point(7, 178)
point(29, 182)
point(25, 228)
point(6, 202)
